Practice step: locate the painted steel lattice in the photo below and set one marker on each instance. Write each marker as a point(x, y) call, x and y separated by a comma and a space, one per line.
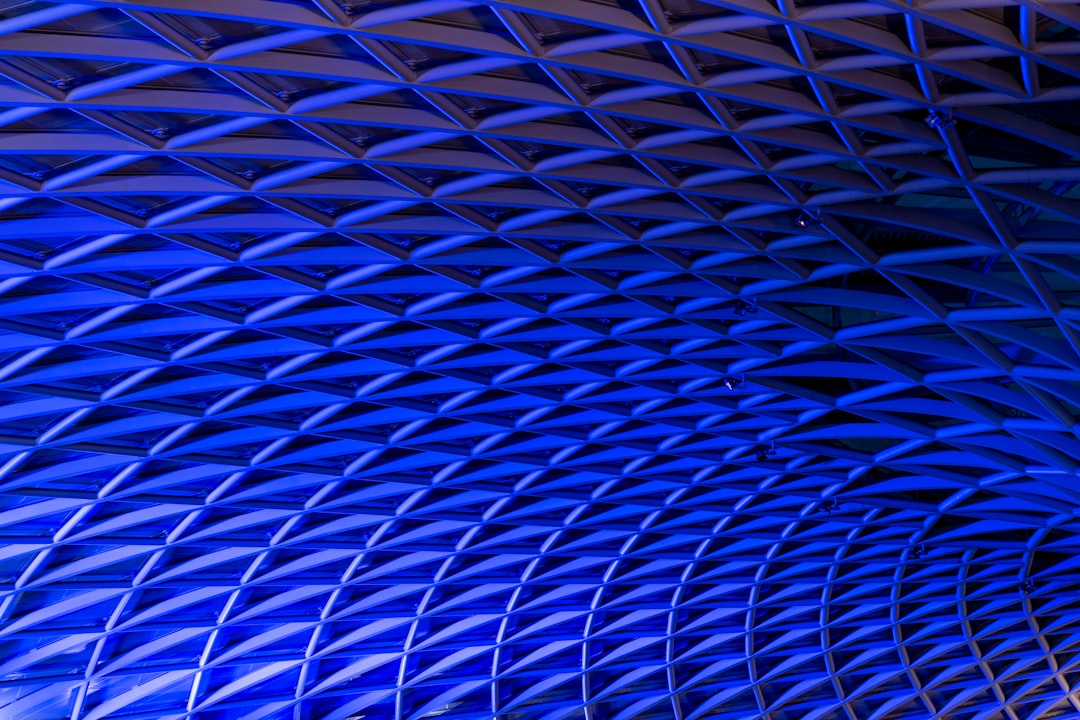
point(539, 359)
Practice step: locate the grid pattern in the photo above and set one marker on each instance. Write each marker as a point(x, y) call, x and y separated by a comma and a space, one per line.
point(539, 359)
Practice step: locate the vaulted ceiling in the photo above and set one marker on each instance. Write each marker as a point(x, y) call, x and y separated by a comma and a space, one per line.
point(539, 360)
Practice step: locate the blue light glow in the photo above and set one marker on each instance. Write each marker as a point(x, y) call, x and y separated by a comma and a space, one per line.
point(562, 360)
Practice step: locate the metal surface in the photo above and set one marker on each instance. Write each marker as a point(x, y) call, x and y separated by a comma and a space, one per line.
point(540, 359)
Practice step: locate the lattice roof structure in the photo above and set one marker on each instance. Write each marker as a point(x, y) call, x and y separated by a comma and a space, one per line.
point(539, 359)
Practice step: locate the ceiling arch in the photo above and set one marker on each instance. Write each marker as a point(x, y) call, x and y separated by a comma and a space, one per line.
point(612, 360)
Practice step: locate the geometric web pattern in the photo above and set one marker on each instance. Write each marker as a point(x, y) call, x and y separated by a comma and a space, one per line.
point(539, 360)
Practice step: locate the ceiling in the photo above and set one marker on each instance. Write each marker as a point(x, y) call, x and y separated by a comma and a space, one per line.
point(539, 360)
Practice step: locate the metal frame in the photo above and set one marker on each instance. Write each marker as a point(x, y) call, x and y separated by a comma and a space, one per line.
point(539, 360)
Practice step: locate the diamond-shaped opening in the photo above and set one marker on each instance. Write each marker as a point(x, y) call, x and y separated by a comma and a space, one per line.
point(142, 206)
point(288, 419)
point(425, 57)
point(186, 403)
point(478, 18)
point(157, 323)
point(252, 168)
point(52, 287)
point(57, 120)
point(589, 190)
point(194, 80)
point(676, 11)
point(128, 648)
point(34, 528)
point(231, 241)
point(44, 461)
point(938, 37)
point(527, 73)
point(595, 84)
point(69, 361)
point(333, 247)
point(777, 153)
point(534, 151)
point(479, 108)
point(952, 85)
point(907, 73)
point(213, 33)
point(56, 321)
point(432, 177)
point(330, 46)
point(212, 434)
point(830, 48)
point(500, 213)
point(94, 383)
point(400, 99)
point(331, 207)
point(848, 96)
point(1014, 68)
point(774, 35)
point(638, 129)
point(233, 309)
point(551, 129)
point(90, 427)
point(37, 248)
point(69, 73)
point(551, 31)
point(165, 125)
point(43, 167)
point(872, 138)
point(742, 111)
point(653, 52)
point(462, 143)
point(365, 136)
point(629, 6)
point(403, 278)
point(158, 345)
point(710, 64)
point(521, 191)
point(153, 166)
point(29, 428)
point(290, 88)
point(641, 224)
point(108, 22)
point(404, 241)
point(238, 206)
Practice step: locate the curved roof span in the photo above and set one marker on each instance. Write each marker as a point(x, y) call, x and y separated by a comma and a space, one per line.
point(539, 360)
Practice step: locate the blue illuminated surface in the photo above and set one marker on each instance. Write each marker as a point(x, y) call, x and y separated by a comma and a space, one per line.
point(539, 360)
